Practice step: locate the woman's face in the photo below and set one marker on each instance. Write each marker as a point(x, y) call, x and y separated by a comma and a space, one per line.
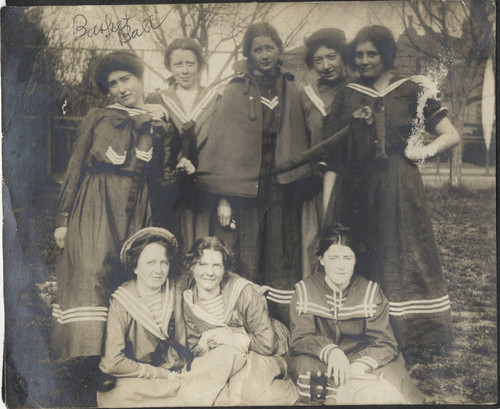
point(185, 68)
point(328, 63)
point(264, 53)
point(209, 270)
point(126, 88)
point(152, 266)
point(339, 262)
point(368, 60)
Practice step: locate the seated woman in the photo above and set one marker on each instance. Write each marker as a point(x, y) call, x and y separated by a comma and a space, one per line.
point(341, 332)
point(145, 346)
point(221, 310)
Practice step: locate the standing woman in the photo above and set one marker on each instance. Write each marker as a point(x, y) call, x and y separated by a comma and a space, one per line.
point(190, 108)
point(104, 199)
point(379, 191)
point(325, 54)
point(258, 125)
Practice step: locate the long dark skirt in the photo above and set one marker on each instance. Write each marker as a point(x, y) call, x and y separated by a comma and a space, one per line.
point(395, 246)
point(90, 270)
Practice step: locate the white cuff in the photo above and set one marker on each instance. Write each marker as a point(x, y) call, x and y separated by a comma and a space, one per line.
point(368, 361)
point(325, 352)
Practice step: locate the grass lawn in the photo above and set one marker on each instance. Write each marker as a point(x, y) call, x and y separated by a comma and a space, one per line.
point(465, 228)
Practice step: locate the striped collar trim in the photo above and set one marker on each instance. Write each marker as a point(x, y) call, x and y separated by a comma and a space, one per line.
point(178, 111)
point(374, 93)
point(304, 306)
point(333, 307)
point(230, 292)
point(276, 295)
point(130, 111)
point(142, 314)
point(315, 99)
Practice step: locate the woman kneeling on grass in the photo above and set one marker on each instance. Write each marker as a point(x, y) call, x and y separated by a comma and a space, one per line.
point(145, 345)
point(223, 311)
point(341, 334)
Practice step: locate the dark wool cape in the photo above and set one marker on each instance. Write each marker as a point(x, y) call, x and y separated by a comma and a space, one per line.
point(230, 162)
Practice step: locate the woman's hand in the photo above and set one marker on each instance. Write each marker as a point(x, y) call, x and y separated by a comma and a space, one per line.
point(365, 113)
point(240, 342)
point(224, 212)
point(157, 111)
point(447, 137)
point(185, 165)
point(60, 236)
point(359, 368)
point(418, 153)
point(165, 373)
point(338, 367)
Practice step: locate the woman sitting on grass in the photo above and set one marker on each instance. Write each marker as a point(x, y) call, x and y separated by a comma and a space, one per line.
point(341, 333)
point(145, 349)
point(225, 311)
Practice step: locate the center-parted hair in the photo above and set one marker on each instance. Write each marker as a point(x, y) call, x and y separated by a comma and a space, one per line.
point(335, 234)
point(207, 243)
point(383, 40)
point(185, 44)
point(260, 30)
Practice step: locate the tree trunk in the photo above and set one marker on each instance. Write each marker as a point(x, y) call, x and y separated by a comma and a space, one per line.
point(456, 157)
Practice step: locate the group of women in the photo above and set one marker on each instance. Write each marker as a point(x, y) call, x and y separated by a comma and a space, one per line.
point(327, 238)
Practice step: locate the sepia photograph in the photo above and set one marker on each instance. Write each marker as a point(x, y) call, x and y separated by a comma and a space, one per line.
point(249, 204)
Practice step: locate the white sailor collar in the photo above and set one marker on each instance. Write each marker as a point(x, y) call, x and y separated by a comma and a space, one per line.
point(315, 297)
point(202, 101)
point(315, 99)
point(128, 296)
point(130, 111)
point(231, 291)
point(373, 92)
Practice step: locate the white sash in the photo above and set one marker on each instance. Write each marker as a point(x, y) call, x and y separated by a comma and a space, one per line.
point(315, 99)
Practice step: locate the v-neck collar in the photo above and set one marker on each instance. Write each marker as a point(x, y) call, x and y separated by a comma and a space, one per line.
point(176, 108)
point(230, 293)
point(372, 92)
point(129, 298)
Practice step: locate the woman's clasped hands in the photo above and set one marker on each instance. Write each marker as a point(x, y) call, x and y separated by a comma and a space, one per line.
point(222, 336)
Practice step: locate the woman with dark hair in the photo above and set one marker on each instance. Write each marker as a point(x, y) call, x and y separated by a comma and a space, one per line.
point(325, 55)
point(104, 199)
point(190, 107)
point(379, 191)
point(223, 310)
point(146, 349)
point(258, 125)
point(341, 333)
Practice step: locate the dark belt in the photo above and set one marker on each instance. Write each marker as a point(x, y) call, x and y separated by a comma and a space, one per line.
point(105, 168)
point(136, 177)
